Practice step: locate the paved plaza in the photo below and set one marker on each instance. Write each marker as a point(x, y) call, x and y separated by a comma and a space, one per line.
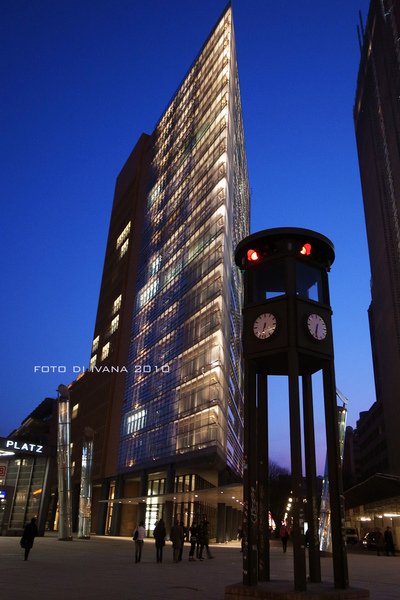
point(103, 568)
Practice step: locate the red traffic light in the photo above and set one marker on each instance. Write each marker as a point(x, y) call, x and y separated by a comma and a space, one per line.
point(252, 255)
point(306, 250)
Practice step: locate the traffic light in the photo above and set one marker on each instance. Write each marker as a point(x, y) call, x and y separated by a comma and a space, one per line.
point(252, 255)
point(272, 245)
point(306, 249)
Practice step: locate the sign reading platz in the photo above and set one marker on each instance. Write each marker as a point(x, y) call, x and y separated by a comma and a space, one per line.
point(24, 446)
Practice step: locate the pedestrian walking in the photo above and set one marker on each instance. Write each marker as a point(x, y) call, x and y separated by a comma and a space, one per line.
point(204, 538)
point(138, 537)
point(30, 532)
point(159, 535)
point(388, 538)
point(193, 540)
point(285, 534)
point(177, 540)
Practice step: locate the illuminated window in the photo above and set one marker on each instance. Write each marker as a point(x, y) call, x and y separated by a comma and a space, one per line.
point(114, 324)
point(136, 421)
point(93, 361)
point(105, 351)
point(148, 292)
point(95, 344)
point(117, 304)
point(155, 266)
point(124, 248)
point(122, 237)
point(75, 410)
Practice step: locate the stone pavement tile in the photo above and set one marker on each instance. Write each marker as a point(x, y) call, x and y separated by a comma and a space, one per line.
point(103, 568)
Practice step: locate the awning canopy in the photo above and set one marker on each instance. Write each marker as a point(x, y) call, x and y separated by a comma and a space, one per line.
point(376, 488)
point(230, 495)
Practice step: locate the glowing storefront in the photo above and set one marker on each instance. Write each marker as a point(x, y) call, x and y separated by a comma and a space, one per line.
point(25, 479)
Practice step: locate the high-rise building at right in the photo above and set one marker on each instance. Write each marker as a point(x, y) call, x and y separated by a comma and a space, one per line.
point(377, 127)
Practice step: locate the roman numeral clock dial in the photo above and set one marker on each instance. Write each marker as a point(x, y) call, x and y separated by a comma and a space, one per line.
point(264, 326)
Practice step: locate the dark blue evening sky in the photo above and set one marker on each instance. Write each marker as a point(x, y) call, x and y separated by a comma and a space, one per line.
point(81, 80)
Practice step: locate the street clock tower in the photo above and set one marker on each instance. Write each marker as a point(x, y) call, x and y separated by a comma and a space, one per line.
point(287, 330)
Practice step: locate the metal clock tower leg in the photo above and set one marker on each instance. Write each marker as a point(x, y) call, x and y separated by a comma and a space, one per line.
point(311, 478)
point(340, 568)
point(263, 477)
point(250, 520)
point(300, 583)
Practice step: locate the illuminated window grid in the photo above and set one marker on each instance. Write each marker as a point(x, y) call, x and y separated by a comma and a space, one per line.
point(199, 394)
point(211, 145)
point(95, 344)
point(114, 325)
point(204, 170)
point(197, 330)
point(157, 443)
point(192, 161)
point(105, 351)
point(207, 265)
point(117, 304)
point(151, 389)
point(122, 237)
point(136, 421)
point(205, 76)
point(123, 248)
point(203, 438)
point(179, 235)
point(203, 178)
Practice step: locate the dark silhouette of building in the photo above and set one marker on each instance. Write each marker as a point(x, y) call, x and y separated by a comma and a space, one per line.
point(377, 127)
point(351, 459)
point(97, 395)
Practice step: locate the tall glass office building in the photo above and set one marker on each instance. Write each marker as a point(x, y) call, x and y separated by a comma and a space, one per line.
point(164, 391)
point(183, 400)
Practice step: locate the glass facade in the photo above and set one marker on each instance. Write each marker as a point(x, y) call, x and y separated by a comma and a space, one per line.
point(27, 476)
point(184, 385)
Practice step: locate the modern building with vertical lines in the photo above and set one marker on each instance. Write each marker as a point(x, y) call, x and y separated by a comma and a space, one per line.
point(377, 127)
point(170, 423)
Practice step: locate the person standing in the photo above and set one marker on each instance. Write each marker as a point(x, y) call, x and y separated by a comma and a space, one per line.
point(379, 542)
point(177, 540)
point(193, 540)
point(388, 538)
point(138, 536)
point(240, 537)
point(159, 535)
point(30, 532)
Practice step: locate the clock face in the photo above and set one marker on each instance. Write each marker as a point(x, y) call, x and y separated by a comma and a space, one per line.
point(264, 326)
point(317, 326)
